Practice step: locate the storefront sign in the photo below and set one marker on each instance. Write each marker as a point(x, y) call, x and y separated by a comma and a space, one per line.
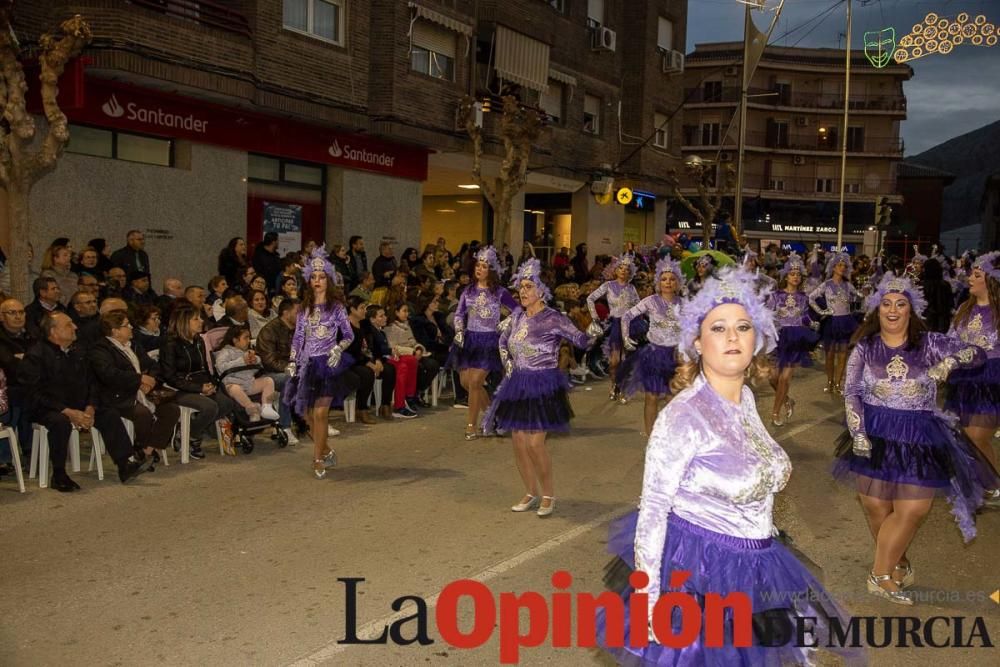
point(120, 106)
point(642, 201)
point(285, 220)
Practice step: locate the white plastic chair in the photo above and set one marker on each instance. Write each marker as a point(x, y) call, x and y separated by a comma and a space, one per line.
point(350, 408)
point(15, 452)
point(98, 450)
point(40, 455)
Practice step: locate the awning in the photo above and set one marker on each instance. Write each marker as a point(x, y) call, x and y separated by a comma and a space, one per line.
point(442, 19)
point(521, 59)
point(562, 77)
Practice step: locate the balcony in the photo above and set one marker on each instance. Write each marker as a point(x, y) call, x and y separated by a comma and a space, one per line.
point(205, 12)
point(776, 140)
point(813, 186)
point(783, 98)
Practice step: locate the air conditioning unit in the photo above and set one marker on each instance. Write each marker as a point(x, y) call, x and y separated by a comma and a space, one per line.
point(802, 121)
point(725, 156)
point(673, 62)
point(603, 39)
point(798, 160)
point(602, 186)
point(731, 71)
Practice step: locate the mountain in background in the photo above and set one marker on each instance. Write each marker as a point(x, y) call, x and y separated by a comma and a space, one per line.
point(973, 158)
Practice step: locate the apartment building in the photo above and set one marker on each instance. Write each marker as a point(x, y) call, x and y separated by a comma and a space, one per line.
point(207, 119)
point(794, 136)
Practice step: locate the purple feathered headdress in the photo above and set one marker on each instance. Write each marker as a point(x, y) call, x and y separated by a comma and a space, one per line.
point(893, 284)
point(917, 257)
point(531, 270)
point(793, 263)
point(731, 286)
point(836, 258)
point(488, 254)
point(671, 265)
point(318, 262)
point(626, 260)
point(988, 264)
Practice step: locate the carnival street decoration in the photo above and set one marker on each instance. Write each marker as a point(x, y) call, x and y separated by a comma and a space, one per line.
point(880, 45)
point(941, 35)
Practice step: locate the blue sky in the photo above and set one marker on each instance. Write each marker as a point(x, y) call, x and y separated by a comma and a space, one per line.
point(947, 96)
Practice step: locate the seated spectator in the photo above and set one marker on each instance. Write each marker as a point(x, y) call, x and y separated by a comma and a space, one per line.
point(232, 259)
point(366, 368)
point(149, 332)
point(88, 283)
point(57, 264)
point(138, 292)
point(380, 296)
point(195, 294)
point(15, 341)
point(217, 288)
point(266, 260)
point(291, 268)
point(110, 304)
point(426, 267)
point(403, 344)
point(184, 366)
point(241, 287)
point(234, 352)
point(366, 283)
point(274, 346)
point(288, 289)
point(83, 310)
point(63, 396)
point(235, 312)
point(405, 366)
point(48, 299)
point(132, 256)
point(89, 264)
point(104, 262)
point(259, 313)
point(125, 376)
point(115, 283)
point(341, 263)
point(173, 289)
point(258, 283)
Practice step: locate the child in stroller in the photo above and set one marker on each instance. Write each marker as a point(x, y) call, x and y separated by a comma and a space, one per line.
point(238, 366)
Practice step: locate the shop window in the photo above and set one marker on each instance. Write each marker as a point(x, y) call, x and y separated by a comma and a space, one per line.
point(591, 114)
point(98, 142)
point(433, 51)
point(661, 137)
point(551, 102)
point(262, 168)
point(304, 174)
point(150, 150)
point(320, 18)
point(91, 141)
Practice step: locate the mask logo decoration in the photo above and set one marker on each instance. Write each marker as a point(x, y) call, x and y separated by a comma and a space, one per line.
point(880, 46)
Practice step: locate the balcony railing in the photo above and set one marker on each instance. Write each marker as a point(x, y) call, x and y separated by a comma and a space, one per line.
point(812, 185)
point(205, 12)
point(832, 101)
point(798, 142)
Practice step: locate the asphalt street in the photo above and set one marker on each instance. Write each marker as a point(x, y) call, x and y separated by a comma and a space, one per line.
point(236, 561)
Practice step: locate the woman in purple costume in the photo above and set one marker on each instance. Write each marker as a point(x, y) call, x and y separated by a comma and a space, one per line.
point(318, 363)
point(475, 352)
point(974, 394)
point(900, 451)
point(712, 471)
point(796, 335)
point(621, 296)
point(651, 368)
point(532, 402)
point(839, 293)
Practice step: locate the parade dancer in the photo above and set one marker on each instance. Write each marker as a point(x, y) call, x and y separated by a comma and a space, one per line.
point(796, 335)
point(318, 363)
point(974, 394)
point(621, 296)
point(814, 262)
point(914, 270)
point(899, 451)
point(751, 263)
point(475, 353)
point(839, 293)
point(651, 368)
point(703, 269)
point(711, 474)
point(532, 402)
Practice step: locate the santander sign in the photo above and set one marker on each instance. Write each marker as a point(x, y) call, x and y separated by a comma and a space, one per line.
point(153, 116)
point(360, 155)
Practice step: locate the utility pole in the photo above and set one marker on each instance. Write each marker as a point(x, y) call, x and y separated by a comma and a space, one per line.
point(843, 143)
point(744, 86)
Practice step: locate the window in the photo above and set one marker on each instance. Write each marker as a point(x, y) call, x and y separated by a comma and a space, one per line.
point(433, 51)
point(712, 91)
point(824, 185)
point(595, 12)
point(784, 90)
point(319, 18)
point(853, 188)
point(710, 134)
point(264, 168)
point(665, 34)
point(591, 114)
point(856, 139)
point(304, 174)
point(276, 170)
point(551, 102)
point(777, 184)
point(777, 133)
point(97, 142)
point(826, 138)
point(661, 138)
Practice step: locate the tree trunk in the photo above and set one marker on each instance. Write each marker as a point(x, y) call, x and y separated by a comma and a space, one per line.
point(502, 217)
point(17, 255)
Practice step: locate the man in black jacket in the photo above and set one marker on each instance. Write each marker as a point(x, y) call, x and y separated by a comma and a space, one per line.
point(385, 265)
point(47, 300)
point(62, 397)
point(266, 260)
point(15, 341)
point(83, 311)
point(133, 256)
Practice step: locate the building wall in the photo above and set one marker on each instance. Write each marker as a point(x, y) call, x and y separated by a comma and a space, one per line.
point(188, 214)
point(374, 206)
point(457, 227)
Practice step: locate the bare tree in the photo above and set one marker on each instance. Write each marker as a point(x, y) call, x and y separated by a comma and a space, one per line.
point(519, 129)
point(24, 157)
point(706, 207)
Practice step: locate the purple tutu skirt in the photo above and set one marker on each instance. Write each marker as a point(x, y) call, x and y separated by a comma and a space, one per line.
point(794, 346)
point(779, 587)
point(838, 329)
point(613, 337)
point(481, 350)
point(974, 395)
point(648, 369)
point(917, 454)
point(316, 383)
point(532, 401)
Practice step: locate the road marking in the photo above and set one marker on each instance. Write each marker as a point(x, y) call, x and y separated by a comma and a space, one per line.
point(374, 628)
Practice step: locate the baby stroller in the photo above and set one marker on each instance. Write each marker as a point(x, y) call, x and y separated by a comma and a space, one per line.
point(243, 428)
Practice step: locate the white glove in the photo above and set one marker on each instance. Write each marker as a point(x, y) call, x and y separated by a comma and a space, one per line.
point(290, 369)
point(814, 326)
point(862, 446)
point(594, 329)
point(333, 359)
point(459, 338)
point(629, 344)
point(940, 371)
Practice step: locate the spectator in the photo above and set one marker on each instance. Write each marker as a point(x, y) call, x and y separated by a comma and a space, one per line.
point(404, 343)
point(385, 265)
point(232, 259)
point(133, 256)
point(149, 332)
point(15, 341)
point(410, 259)
point(237, 312)
point(104, 262)
point(184, 365)
point(234, 352)
point(110, 304)
point(245, 276)
point(259, 313)
point(195, 294)
point(366, 283)
point(88, 284)
point(173, 289)
point(83, 311)
point(404, 365)
point(358, 258)
point(266, 260)
point(561, 264)
point(217, 288)
point(580, 264)
point(441, 251)
point(274, 345)
point(365, 367)
point(56, 264)
point(63, 396)
point(258, 283)
point(89, 264)
point(47, 300)
point(723, 233)
point(425, 269)
point(341, 263)
point(125, 376)
point(115, 283)
point(291, 268)
point(138, 292)
point(939, 297)
point(289, 289)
